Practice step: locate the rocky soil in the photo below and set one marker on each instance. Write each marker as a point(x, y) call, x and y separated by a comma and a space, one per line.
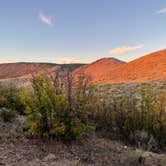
point(15, 150)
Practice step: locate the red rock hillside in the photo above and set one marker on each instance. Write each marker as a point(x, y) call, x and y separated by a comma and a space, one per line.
point(100, 68)
point(14, 70)
point(146, 68)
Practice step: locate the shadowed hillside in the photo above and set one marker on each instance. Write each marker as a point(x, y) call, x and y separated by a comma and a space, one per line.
point(22, 69)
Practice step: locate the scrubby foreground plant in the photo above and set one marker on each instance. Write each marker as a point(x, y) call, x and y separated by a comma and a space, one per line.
point(137, 119)
point(7, 115)
point(64, 106)
point(10, 97)
point(58, 107)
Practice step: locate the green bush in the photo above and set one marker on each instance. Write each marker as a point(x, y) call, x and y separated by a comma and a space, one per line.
point(7, 115)
point(159, 120)
point(55, 110)
point(10, 97)
point(140, 120)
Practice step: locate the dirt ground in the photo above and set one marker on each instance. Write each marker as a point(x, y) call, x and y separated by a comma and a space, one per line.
point(15, 150)
point(94, 152)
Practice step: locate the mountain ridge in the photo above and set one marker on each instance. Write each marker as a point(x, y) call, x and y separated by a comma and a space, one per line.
point(106, 70)
point(146, 68)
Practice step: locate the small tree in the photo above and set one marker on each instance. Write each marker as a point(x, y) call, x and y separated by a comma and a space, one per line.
point(80, 98)
point(58, 106)
point(45, 106)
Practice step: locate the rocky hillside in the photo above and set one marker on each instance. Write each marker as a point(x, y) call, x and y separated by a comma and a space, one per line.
point(110, 70)
point(98, 70)
point(147, 68)
point(103, 71)
point(17, 70)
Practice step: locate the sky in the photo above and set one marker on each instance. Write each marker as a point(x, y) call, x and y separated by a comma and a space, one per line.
point(74, 31)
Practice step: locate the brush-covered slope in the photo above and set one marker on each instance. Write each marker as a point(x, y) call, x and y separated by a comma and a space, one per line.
point(13, 70)
point(22, 69)
point(100, 68)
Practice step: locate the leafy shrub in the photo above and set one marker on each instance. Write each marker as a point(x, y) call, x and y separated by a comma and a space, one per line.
point(57, 110)
point(159, 129)
point(7, 115)
point(10, 97)
point(139, 120)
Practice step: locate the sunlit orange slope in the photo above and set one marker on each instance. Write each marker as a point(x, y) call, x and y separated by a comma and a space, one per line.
point(146, 68)
point(100, 68)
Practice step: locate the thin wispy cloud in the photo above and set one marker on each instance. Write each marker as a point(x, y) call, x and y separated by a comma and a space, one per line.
point(161, 11)
point(49, 20)
point(124, 49)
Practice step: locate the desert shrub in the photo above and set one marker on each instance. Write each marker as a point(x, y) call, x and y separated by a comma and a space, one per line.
point(10, 97)
point(117, 115)
point(57, 109)
point(137, 119)
point(42, 106)
point(7, 115)
point(146, 109)
point(160, 118)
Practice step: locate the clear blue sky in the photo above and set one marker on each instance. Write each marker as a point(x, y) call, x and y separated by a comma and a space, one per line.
point(80, 30)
